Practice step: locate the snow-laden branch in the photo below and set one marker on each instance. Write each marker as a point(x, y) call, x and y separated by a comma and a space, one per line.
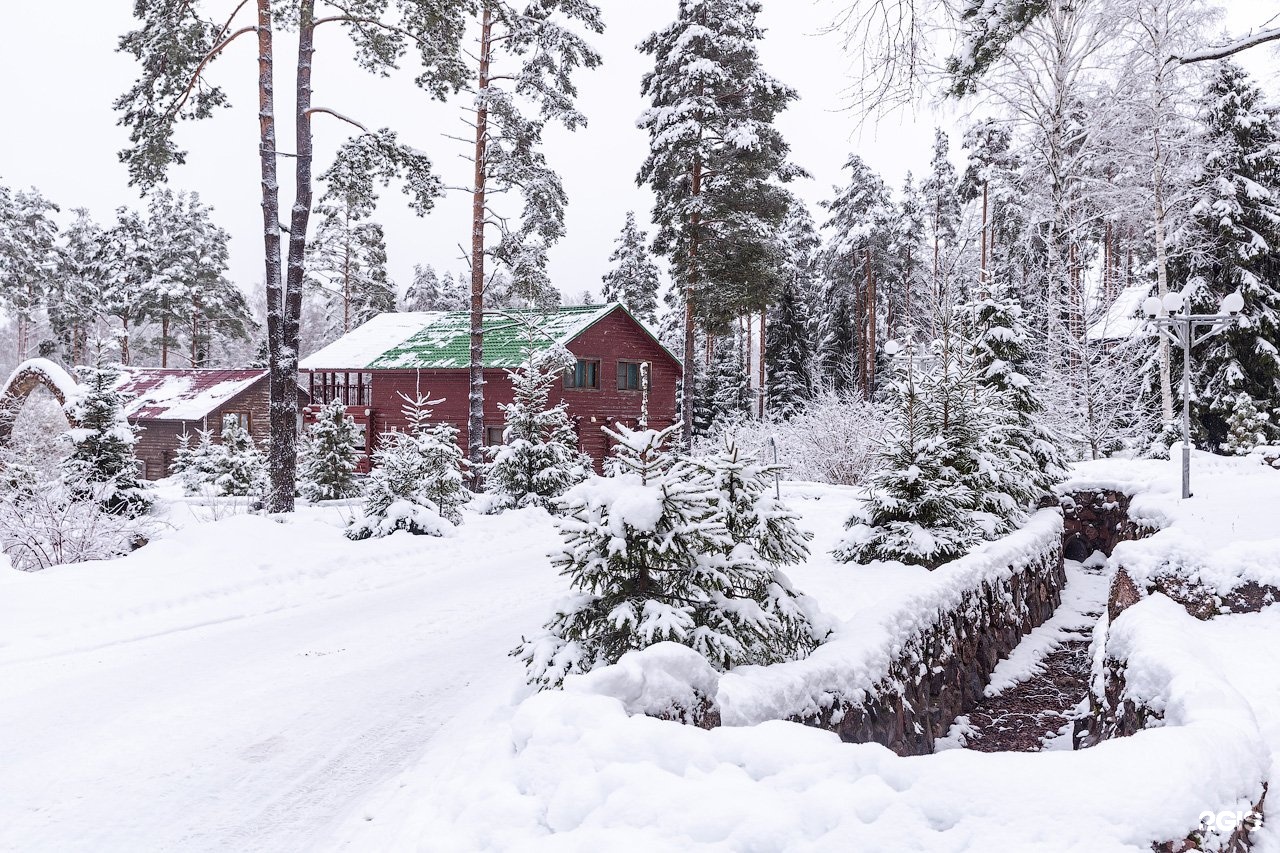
point(337, 115)
point(1229, 49)
point(208, 57)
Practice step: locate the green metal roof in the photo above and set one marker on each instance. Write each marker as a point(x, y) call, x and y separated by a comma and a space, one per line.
point(446, 341)
point(438, 340)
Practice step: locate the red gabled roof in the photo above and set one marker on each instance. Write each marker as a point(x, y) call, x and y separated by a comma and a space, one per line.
point(176, 394)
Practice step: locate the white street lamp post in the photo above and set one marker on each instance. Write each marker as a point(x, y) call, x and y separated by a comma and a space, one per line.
point(1172, 316)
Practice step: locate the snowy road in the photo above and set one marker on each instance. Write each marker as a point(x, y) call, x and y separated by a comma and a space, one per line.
point(250, 697)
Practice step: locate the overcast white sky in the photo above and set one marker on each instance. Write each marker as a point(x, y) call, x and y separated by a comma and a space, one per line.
point(59, 133)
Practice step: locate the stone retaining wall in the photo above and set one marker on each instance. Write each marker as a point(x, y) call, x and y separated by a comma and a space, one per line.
point(942, 672)
point(1097, 520)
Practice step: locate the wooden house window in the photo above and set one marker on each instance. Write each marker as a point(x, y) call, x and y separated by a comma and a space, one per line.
point(629, 376)
point(584, 374)
point(493, 435)
point(242, 418)
point(352, 388)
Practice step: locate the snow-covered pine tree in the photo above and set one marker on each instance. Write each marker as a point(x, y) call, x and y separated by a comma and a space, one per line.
point(715, 166)
point(424, 293)
point(347, 256)
point(650, 560)
point(101, 465)
point(75, 292)
point(526, 59)
point(539, 458)
point(239, 467)
point(27, 254)
point(633, 279)
point(173, 44)
point(328, 458)
point(1233, 244)
point(918, 508)
point(416, 481)
point(723, 397)
point(941, 195)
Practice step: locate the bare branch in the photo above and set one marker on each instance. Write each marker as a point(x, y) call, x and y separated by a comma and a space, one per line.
point(1229, 49)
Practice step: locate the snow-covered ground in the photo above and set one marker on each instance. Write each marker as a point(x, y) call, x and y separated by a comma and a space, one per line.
point(242, 685)
point(253, 685)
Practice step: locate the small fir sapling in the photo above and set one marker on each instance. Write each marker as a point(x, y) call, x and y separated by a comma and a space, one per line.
point(417, 478)
point(196, 466)
point(650, 559)
point(761, 525)
point(239, 467)
point(101, 465)
point(918, 507)
point(539, 458)
point(329, 455)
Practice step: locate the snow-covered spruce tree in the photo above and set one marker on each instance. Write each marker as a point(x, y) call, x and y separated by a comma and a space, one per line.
point(1233, 244)
point(650, 560)
point(919, 509)
point(101, 465)
point(538, 459)
point(239, 467)
point(715, 166)
point(790, 328)
point(1247, 427)
point(328, 458)
point(416, 482)
point(633, 279)
point(1000, 343)
point(767, 529)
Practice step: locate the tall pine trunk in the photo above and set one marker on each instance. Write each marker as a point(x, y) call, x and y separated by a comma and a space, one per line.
point(764, 312)
point(284, 416)
point(1162, 273)
point(277, 487)
point(475, 411)
point(691, 280)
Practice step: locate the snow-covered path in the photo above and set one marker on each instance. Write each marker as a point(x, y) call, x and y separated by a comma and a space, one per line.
point(249, 697)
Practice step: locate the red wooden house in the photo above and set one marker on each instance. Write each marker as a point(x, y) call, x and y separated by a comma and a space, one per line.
point(371, 367)
point(166, 402)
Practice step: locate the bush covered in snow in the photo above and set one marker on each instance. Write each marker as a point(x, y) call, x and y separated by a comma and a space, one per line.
point(538, 459)
point(47, 523)
point(664, 549)
point(328, 457)
point(834, 439)
point(416, 483)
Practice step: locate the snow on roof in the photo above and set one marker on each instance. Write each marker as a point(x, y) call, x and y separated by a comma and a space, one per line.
point(169, 394)
point(441, 340)
point(359, 347)
point(1122, 320)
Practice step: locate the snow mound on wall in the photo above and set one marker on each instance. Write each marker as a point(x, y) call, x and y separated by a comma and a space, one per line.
point(576, 770)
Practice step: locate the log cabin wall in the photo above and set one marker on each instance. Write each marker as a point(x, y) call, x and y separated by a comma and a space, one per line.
point(615, 338)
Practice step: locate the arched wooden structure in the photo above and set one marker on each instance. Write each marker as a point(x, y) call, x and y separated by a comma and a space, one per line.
point(26, 378)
